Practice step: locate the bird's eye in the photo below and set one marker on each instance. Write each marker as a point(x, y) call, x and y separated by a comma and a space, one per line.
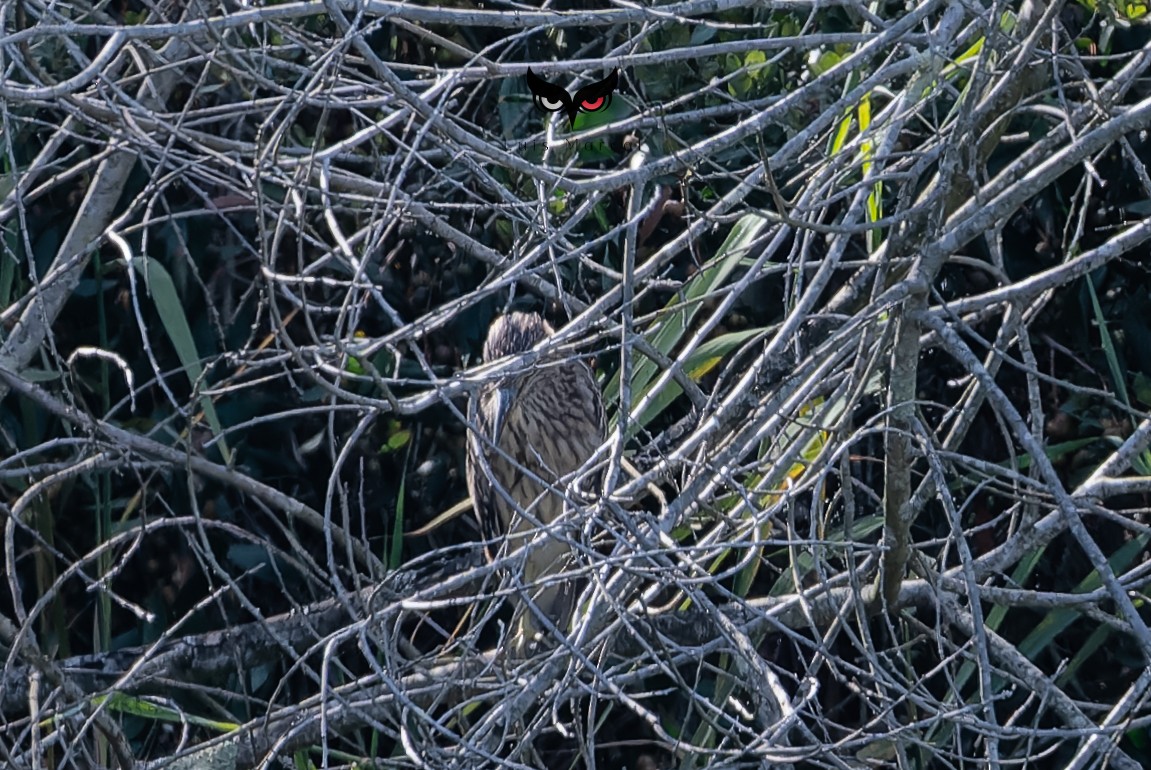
point(551, 105)
point(591, 105)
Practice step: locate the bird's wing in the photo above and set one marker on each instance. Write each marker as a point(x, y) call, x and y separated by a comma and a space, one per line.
point(481, 482)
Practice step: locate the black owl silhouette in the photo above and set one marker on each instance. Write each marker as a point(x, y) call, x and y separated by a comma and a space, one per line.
point(590, 98)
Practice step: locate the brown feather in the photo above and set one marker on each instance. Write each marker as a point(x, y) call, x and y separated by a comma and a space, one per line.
point(553, 424)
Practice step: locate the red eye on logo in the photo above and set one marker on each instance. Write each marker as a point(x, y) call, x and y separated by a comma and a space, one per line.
point(591, 105)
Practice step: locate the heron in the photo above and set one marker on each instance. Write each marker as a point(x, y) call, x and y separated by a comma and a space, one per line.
point(532, 431)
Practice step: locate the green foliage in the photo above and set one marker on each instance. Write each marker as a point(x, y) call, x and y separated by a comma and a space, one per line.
point(289, 291)
point(171, 312)
point(674, 322)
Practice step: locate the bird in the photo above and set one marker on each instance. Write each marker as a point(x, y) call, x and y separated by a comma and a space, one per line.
point(543, 423)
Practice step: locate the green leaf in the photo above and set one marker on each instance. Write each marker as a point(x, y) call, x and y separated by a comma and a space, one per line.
point(514, 107)
point(676, 318)
point(1142, 388)
point(755, 61)
point(396, 441)
point(175, 322)
point(1112, 356)
point(127, 704)
point(820, 62)
point(698, 365)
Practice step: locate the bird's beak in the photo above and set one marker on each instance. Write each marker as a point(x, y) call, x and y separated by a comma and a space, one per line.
point(505, 397)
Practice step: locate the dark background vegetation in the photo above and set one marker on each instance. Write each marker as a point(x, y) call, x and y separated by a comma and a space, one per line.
point(890, 510)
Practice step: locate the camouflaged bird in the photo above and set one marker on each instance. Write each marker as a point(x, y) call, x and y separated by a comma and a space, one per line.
point(544, 422)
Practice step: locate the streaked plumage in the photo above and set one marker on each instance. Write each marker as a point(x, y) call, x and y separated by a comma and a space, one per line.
point(547, 422)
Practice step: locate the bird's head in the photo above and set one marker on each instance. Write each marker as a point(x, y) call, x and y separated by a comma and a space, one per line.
point(510, 335)
point(515, 333)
